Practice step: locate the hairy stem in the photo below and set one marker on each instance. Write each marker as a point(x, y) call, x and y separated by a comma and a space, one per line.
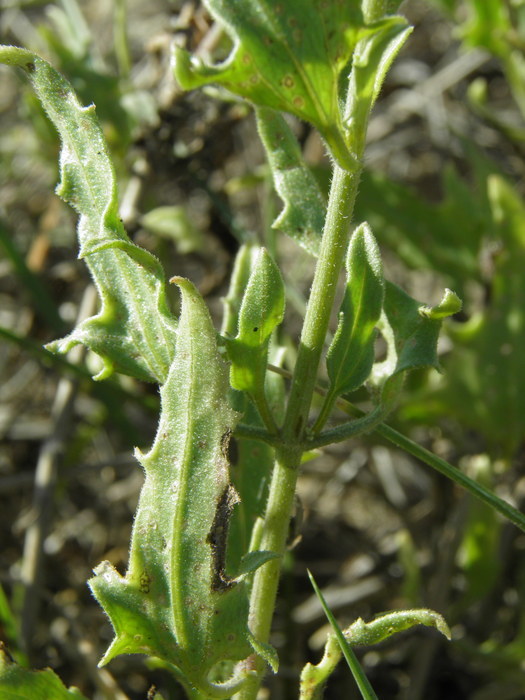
point(295, 432)
point(288, 457)
point(318, 311)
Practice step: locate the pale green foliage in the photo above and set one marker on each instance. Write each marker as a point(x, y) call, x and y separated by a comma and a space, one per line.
point(17, 683)
point(174, 223)
point(304, 208)
point(498, 27)
point(385, 625)
point(411, 337)
point(448, 306)
point(252, 483)
point(486, 375)
point(134, 332)
point(242, 268)
point(373, 57)
point(261, 311)
point(351, 354)
point(176, 602)
point(310, 41)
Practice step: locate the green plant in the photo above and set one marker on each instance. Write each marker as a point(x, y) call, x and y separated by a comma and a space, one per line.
point(195, 599)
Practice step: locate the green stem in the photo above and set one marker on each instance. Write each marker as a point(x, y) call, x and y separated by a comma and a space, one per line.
point(313, 677)
point(331, 257)
point(453, 473)
point(251, 432)
point(260, 400)
point(266, 580)
point(288, 457)
point(324, 413)
point(364, 424)
point(366, 690)
point(334, 243)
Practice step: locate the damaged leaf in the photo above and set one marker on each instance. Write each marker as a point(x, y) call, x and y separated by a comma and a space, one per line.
point(175, 601)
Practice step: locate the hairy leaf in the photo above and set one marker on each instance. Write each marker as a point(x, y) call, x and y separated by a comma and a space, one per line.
point(253, 560)
point(448, 306)
point(411, 332)
point(253, 460)
point(176, 602)
point(360, 633)
point(17, 683)
point(351, 354)
point(242, 268)
point(134, 332)
point(373, 57)
point(261, 310)
point(304, 208)
point(288, 56)
point(386, 625)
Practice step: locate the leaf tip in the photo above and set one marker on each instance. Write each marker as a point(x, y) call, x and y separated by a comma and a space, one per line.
point(449, 305)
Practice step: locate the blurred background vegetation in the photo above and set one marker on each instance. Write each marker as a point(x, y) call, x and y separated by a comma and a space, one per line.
point(443, 192)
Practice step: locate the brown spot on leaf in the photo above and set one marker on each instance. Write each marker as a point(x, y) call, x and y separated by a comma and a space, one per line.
point(225, 442)
point(218, 538)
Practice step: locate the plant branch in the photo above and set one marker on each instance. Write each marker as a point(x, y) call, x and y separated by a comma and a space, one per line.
point(331, 257)
point(365, 424)
point(282, 489)
point(421, 453)
point(252, 432)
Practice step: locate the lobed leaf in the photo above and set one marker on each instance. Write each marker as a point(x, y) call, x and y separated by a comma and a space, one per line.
point(304, 207)
point(411, 331)
point(134, 332)
point(176, 602)
point(18, 683)
point(289, 56)
point(351, 354)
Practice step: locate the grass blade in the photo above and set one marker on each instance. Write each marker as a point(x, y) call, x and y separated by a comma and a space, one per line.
point(366, 690)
